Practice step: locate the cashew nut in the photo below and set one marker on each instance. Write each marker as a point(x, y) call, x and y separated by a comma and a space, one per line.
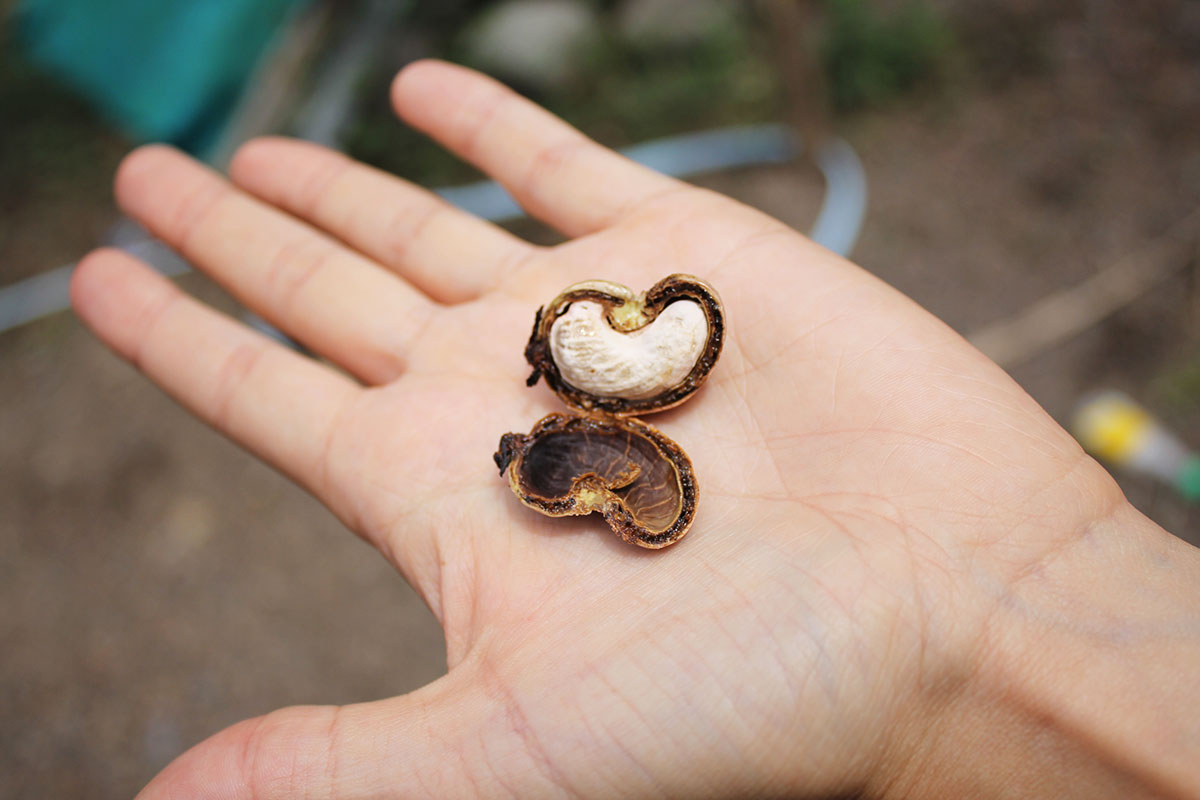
point(643, 363)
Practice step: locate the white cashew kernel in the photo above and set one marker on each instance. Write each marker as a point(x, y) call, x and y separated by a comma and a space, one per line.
point(604, 362)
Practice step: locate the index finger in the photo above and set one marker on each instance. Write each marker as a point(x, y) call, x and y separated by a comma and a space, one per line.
point(555, 172)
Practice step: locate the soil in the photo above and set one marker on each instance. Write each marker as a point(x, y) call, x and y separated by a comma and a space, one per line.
point(158, 584)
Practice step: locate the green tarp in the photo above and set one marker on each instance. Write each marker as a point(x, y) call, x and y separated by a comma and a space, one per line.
point(163, 70)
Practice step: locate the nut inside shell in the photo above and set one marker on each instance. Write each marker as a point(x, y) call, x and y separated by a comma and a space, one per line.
point(637, 478)
point(601, 347)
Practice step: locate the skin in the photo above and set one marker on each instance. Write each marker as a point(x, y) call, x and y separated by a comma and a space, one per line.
point(904, 579)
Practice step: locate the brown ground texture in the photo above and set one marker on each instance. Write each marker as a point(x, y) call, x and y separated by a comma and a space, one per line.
point(158, 584)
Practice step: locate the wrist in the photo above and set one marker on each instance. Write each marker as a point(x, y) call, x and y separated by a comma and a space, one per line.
point(1081, 682)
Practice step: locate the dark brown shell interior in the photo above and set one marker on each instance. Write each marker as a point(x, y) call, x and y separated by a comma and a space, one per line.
point(638, 479)
point(671, 289)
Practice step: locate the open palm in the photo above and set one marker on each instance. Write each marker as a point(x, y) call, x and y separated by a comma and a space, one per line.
point(856, 459)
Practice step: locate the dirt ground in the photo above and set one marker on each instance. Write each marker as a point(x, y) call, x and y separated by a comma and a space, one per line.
point(158, 584)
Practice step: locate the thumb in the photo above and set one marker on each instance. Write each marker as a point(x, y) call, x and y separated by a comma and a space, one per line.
point(449, 739)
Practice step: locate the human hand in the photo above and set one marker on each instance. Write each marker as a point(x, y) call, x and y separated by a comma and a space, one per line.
point(873, 491)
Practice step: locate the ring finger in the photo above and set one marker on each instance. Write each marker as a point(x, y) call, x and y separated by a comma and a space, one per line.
point(333, 300)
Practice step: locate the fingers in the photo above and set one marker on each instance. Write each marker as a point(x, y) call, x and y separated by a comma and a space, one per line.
point(553, 171)
point(331, 299)
point(447, 253)
point(279, 405)
point(445, 740)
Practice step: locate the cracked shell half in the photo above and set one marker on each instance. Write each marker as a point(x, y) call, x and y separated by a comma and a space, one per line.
point(639, 480)
point(601, 347)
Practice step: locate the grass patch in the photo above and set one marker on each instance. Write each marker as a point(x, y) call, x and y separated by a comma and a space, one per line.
point(872, 57)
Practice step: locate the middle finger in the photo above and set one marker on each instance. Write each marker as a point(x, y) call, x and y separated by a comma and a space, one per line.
point(451, 255)
point(331, 299)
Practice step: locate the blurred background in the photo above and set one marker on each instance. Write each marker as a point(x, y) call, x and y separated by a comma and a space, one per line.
point(1028, 171)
